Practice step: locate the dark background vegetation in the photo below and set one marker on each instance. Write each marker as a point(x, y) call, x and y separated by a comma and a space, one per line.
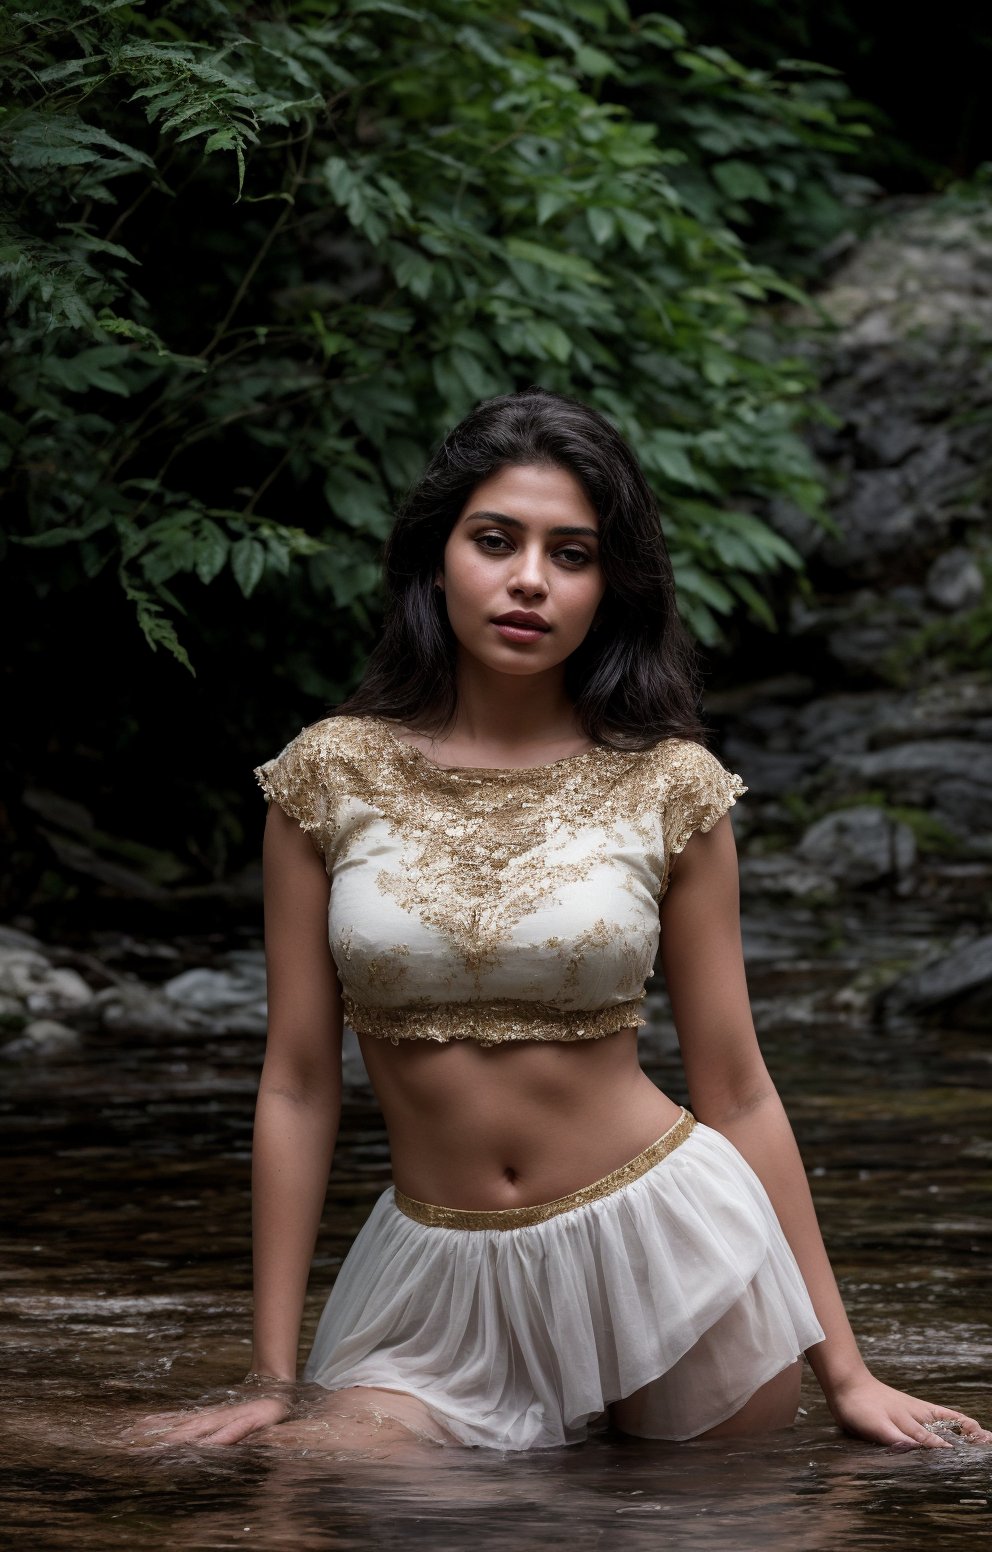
point(256, 259)
point(923, 80)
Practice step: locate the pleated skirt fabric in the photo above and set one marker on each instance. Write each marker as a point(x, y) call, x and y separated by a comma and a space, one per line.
point(679, 1286)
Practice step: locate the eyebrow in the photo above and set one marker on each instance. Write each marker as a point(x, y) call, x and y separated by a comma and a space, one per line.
point(515, 522)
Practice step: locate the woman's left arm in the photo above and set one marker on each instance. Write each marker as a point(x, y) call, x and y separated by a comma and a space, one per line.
point(730, 1090)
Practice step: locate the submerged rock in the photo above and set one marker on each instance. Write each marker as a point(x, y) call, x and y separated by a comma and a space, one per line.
point(955, 985)
point(229, 999)
point(27, 975)
point(143, 1010)
point(216, 991)
point(13, 937)
point(13, 1014)
point(41, 1037)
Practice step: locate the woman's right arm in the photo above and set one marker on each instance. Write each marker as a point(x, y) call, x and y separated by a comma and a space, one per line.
point(296, 1123)
point(300, 1091)
point(299, 1096)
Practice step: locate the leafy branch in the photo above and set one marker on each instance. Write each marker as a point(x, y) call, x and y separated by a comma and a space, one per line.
point(468, 198)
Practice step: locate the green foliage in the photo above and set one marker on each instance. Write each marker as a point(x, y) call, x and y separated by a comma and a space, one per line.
point(765, 151)
point(257, 261)
point(926, 84)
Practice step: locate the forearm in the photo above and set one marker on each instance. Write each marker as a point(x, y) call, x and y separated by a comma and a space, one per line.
point(730, 1090)
point(762, 1134)
point(291, 1158)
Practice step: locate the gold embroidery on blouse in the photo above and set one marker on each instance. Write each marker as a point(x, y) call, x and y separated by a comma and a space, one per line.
point(483, 851)
point(491, 1023)
point(382, 970)
point(599, 935)
point(700, 792)
point(474, 875)
point(630, 950)
point(436, 1217)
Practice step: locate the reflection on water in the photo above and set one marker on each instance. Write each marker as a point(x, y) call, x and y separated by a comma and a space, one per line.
point(126, 1289)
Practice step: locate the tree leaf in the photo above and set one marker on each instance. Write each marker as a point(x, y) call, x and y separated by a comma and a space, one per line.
point(212, 548)
point(248, 564)
point(569, 265)
point(156, 628)
point(741, 180)
point(602, 224)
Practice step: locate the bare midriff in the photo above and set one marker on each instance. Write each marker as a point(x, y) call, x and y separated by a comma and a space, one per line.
point(511, 1125)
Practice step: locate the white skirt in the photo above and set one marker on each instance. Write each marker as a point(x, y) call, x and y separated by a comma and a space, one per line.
point(673, 1274)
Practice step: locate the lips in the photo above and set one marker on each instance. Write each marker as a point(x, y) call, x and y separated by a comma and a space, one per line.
point(523, 620)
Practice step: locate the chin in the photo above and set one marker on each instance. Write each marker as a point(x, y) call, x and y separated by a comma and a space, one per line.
point(517, 663)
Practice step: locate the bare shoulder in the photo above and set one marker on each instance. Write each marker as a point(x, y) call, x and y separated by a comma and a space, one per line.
point(706, 863)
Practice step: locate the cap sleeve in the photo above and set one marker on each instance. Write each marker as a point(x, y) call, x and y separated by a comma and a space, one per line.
point(298, 780)
point(700, 792)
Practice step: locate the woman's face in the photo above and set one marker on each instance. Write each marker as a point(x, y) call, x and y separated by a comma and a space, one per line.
point(526, 542)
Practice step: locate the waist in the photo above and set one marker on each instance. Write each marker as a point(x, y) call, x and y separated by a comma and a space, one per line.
point(497, 1021)
point(515, 1124)
point(438, 1217)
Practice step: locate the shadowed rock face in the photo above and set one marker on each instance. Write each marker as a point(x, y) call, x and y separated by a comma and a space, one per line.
point(956, 984)
point(869, 762)
point(860, 846)
point(906, 371)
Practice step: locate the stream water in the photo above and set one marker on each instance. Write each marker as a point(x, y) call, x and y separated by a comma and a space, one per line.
point(125, 1287)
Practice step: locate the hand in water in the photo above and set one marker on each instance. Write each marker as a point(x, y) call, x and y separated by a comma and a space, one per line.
point(871, 1410)
point(228, 1423)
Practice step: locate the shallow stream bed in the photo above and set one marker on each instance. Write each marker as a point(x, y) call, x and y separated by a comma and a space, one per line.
point(125, 1286)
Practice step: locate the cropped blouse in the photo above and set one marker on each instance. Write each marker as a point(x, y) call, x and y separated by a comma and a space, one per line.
point(493, 904)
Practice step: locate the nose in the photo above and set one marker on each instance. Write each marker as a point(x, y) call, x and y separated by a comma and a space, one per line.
point(529, 577)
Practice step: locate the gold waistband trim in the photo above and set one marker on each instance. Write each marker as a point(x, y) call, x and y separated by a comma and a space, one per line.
point(491, 1023)
point(525, 1217)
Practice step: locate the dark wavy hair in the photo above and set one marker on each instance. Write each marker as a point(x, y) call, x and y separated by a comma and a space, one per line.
point(634, 680)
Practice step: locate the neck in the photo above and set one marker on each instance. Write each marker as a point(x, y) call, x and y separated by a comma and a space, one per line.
point(511, 711)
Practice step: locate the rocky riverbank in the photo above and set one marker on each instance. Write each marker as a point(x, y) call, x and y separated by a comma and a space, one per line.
point(865, 839)
point(869, 757)
point(53, 999)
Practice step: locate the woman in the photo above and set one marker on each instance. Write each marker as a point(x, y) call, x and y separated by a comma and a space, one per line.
point(497, 828)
